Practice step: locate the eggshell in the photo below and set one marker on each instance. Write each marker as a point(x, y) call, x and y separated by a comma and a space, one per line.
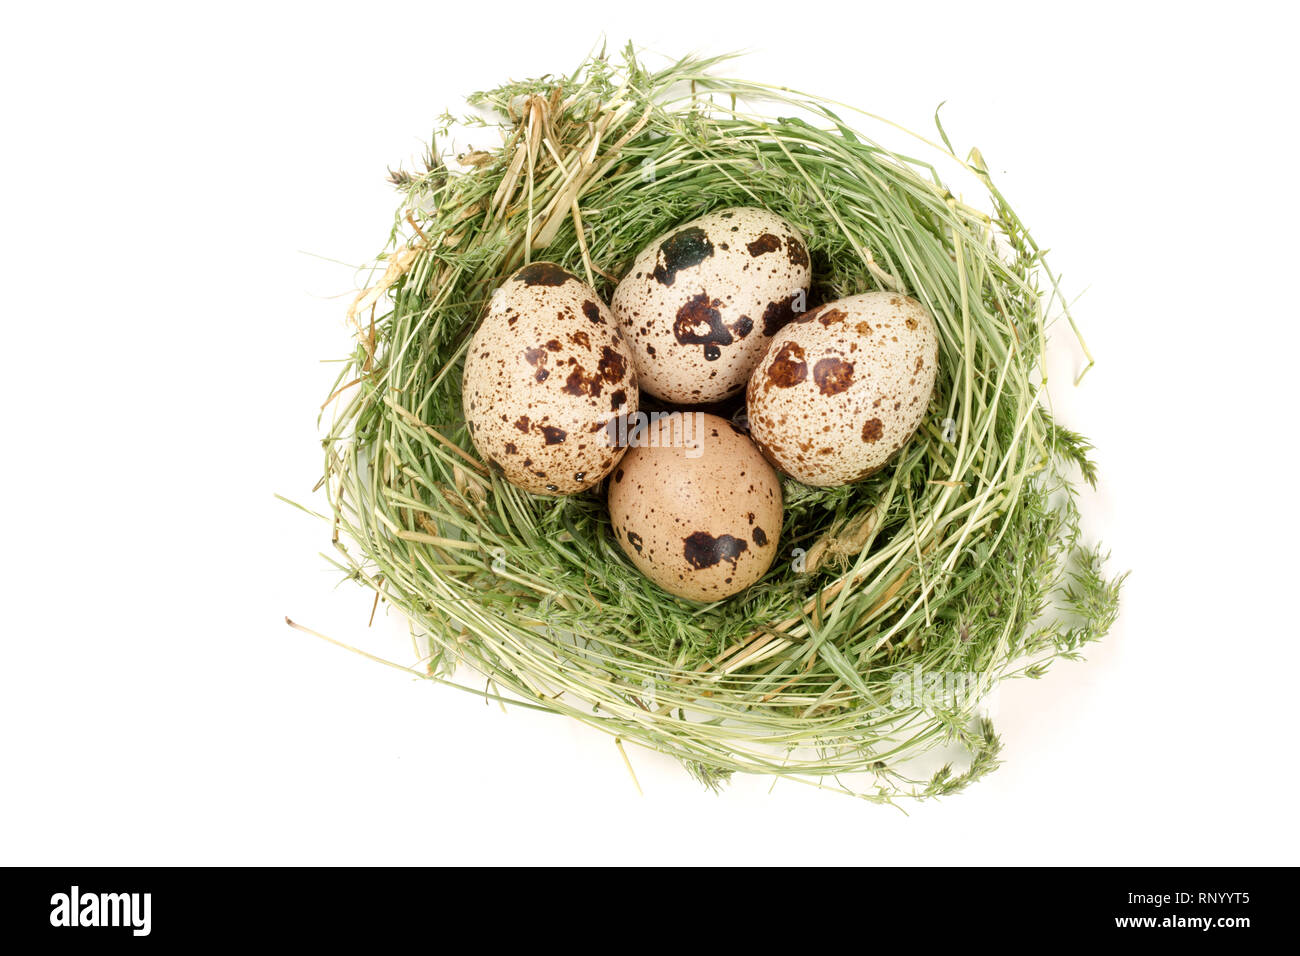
point(700, 303)
point(545, 373)
point(696, 508)
point(843, 388)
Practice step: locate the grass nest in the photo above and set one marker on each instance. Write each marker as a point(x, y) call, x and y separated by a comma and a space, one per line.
point(900, 602)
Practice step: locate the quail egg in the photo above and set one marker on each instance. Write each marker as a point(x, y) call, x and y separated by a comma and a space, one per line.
point(695, 507)
point(700, 304)
point(545, 373)
point(843, 387)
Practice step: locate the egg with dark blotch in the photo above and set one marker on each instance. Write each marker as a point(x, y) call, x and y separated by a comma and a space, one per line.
point(700, 303)
point(695, 507)
point(844, 387)
point(545, 374)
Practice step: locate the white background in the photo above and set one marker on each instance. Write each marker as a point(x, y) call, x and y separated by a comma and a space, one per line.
point(165, 169)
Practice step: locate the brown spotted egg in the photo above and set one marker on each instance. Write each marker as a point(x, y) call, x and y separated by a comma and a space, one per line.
point(843, 387)
point(700, 303)
point(695, 507)
point(546, 371)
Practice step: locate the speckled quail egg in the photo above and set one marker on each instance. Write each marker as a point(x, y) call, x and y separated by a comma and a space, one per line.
point(700, 304)
point(843, 388)
point(546, 372)
point(695, 507)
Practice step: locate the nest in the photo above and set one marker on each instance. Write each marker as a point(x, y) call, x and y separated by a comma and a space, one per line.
point(897, 604)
